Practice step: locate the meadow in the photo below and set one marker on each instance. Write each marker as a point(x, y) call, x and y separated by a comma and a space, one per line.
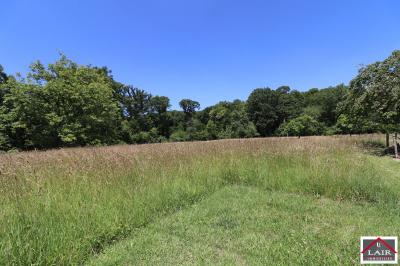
point(245, 201)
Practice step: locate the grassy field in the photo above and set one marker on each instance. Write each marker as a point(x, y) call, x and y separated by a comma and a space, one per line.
point(255, 201)
point(249, 226)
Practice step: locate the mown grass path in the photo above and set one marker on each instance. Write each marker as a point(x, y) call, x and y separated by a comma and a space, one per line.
point(242, 225)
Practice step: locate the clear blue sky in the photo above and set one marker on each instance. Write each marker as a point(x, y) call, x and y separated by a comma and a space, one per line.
point(206, 50)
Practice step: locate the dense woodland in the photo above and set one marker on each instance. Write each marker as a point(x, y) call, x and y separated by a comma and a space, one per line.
point(66, 104)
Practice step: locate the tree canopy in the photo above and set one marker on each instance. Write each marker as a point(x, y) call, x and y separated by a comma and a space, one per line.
point(374, 93)
point(303, 125)
point(62, 105)
point(67, 104)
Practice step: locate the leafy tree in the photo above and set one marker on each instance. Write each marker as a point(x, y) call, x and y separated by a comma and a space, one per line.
point(151, 136)
point(349, 124)
point(143, 113)
point(267, 108)
point(262, 109)
point(290, 103)
point(135, 105)
point(315, 111)
point(66, 104)
point(196, 130)
point(63, 104)
point(283, 89)
point(179, 135)
point(189, 107)
point(344, 125)
point(220, 122)
point(376, 89)
point(303, 125)
point(159, 114)
point(374, 94)
point(23, 118)
point(3, 80)
point(159, 104)
point(322, 104)
point(3, 75)
point(230, 120)
point(177, 120)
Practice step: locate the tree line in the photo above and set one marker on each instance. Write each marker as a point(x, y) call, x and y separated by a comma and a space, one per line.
point(66, 104)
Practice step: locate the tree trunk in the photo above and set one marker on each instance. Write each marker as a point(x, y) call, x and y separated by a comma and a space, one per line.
point(396, 155)
point(387, 140)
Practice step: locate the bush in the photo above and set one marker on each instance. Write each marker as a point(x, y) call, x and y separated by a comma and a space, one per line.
point(179, 135)
point(303, 125)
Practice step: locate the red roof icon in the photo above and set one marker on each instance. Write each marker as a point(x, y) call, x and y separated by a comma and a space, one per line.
point(380, 240)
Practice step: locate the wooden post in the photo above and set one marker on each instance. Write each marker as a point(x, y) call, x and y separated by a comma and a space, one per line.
point(387, 139)
point(396, 155)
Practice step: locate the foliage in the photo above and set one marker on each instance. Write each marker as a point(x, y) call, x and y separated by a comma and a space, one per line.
point(189, 106)
point(344, 125)
point(303, 125)
point(267, 108)
point(262, 107)
point(230, 120)
point(375, 93)
point(179, 135)
point(159, 115)
point(66, 104)
point(322, 104)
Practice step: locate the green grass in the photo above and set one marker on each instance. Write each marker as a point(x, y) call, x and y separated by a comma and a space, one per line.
point(70, 206)
point(249, 226)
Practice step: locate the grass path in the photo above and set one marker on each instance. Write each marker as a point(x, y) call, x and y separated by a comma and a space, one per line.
point(248, 226)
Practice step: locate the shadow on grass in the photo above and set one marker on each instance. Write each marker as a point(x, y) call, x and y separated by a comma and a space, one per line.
point(378, 148)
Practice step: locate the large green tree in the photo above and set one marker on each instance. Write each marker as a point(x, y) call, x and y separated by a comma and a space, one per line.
point(230, 120)
point(290, 103)
point(322, 104)
point(262, 106)
point(375, 94)
point(23, 122)
point(64, 104)
point(189, 108)
point(159, 115)
point(269, 108)
point(135, 106)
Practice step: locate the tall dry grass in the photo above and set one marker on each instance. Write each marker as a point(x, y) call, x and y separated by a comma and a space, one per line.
point(63, 206)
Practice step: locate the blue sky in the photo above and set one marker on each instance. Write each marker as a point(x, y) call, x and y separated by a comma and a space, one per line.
point(206, 50)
